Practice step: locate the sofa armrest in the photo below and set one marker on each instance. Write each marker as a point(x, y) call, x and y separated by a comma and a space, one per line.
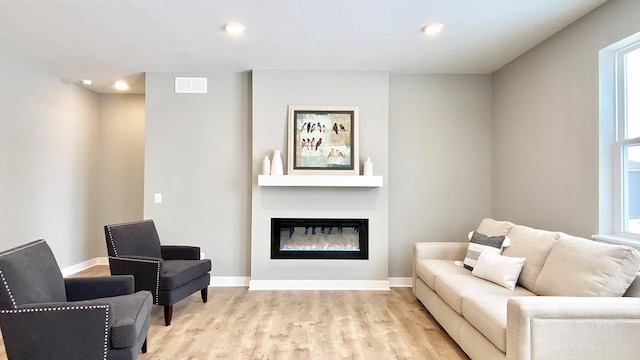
point(546, 327)
point(440, 250)
point(85, 288)
point(437, 251)
point(180, 252)
point(57, 331)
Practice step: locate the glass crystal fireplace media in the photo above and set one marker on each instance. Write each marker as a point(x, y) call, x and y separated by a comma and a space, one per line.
point(319, 238)
point(312, 238)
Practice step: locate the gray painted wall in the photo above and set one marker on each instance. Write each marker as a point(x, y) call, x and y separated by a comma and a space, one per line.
point(543, 167)
point(439, 160)
point(118, 193)
point(545, 124)
point(197, 154)
point(438, 130)
point(71, 162)
point(48, 133)
point(273, 91)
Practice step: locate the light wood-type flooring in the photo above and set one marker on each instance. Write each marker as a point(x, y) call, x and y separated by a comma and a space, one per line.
point(240, 324)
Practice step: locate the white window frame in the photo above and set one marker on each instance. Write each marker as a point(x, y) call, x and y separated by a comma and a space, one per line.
point(610, 210)
point(620, 190)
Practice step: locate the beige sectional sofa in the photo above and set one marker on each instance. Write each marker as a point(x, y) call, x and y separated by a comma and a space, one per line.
point(575, 298)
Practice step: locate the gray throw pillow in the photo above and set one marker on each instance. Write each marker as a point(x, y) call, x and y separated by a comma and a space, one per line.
point(479, 243)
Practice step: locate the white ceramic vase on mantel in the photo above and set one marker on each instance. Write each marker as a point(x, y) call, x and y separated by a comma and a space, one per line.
point(276, 163)
point(266, 166)
point(367, 167)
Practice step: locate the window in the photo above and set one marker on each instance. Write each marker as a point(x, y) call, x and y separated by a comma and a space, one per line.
point(627, 145)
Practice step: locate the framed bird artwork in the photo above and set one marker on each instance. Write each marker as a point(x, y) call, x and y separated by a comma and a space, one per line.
point(323, 140)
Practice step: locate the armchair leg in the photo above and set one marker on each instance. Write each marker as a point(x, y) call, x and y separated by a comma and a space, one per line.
point(144, 346)
point(205, 294)
point(168, 313)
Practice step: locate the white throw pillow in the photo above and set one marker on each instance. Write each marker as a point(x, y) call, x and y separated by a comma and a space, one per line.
point(502, 270)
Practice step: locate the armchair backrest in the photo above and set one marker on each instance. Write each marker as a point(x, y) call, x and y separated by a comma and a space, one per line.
point(138, 238)
point(30, 274)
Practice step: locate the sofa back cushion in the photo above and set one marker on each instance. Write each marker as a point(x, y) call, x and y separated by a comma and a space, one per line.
point(581, 267)
point(634, 288)
point(491, 227)
point(534, 245)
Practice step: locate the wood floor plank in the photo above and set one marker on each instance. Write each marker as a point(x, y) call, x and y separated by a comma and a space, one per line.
point(238, 324)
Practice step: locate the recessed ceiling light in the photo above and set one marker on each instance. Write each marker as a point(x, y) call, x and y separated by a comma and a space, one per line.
point(234, 28)
point(121, 85)
point(86, 82)
point(432, 29)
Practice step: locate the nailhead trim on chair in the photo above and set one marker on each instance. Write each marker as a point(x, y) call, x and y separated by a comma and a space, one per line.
point(22, 248)
point(65, 308)
point(4, 281)
point(113, 245)
point(145, 261)
point(6, 286)
point(111, 240)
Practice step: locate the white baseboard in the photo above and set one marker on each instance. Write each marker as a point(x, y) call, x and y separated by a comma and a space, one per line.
point(70, 270)
point(319, 285)
point(229, 281)
point(400, 282)
point(244, 281)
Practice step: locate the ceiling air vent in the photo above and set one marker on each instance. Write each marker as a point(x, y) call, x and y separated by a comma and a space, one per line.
point(191, 85)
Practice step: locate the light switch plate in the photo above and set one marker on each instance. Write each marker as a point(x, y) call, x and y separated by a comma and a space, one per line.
point(157, 198)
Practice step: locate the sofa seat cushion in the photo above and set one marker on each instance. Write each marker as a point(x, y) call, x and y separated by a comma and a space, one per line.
point(488, 314)
point(179, 272)
point(427, 270)
point(581, 267)
point(129, 314)
point(453, 288)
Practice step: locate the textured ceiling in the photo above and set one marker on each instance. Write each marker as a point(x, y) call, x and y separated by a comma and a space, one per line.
point(111, 39)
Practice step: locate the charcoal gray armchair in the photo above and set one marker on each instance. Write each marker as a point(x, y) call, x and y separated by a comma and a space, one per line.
point(171, 273)
point(45, 316)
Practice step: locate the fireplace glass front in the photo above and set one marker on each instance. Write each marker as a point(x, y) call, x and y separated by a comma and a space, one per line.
point(319, 238)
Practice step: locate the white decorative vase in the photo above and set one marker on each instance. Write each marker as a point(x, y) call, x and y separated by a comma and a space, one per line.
point(367, 168)
point(276, 163)
point(266, 166)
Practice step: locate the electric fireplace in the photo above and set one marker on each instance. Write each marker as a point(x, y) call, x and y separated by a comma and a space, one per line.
point(319, 238)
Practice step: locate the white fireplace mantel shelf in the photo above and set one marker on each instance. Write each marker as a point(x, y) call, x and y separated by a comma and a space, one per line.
point(320, 180)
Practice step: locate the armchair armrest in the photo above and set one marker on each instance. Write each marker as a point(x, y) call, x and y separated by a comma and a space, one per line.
point(85, 288)
point(57, 331)
point(546, 327)
point(145, 270)
point(180, 252)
